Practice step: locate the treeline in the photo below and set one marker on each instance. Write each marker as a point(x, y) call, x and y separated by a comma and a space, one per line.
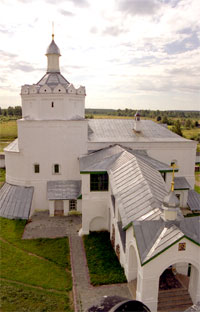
point(11, 111)
point(144, 113)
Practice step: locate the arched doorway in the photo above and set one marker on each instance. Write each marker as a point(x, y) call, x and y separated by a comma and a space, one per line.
point(178, 285)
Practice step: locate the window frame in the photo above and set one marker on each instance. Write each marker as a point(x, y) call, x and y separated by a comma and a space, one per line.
point(72, 202)
point(100, 181)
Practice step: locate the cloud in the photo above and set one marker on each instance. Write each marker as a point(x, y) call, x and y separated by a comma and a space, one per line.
point(78, 3)
point(94, 30)
point(139, 7)
point(7, 55)
point(180, 46)
point(113, 31)
point(66, 13)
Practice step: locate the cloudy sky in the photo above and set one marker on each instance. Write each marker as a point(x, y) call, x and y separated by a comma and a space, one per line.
point(139, 54)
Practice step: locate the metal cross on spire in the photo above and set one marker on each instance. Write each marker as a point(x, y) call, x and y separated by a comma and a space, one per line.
point(52, 30)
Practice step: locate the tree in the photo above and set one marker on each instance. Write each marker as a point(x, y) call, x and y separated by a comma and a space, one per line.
point(188, 124)
point(159, 118)
point(177, 128)
point(165, 120)
point(18, 111)
point(0, 111)
point(10, 111)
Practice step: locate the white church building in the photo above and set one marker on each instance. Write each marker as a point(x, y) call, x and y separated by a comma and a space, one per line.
point(116, 172)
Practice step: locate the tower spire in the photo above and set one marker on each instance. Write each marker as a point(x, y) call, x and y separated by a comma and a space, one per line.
point(174, 166)
point(52, 30)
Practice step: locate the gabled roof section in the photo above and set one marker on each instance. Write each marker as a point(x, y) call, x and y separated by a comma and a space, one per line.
point(15, 201)
point(121, 130)
point(138, 188)
point(193, 200)
point(154, 237)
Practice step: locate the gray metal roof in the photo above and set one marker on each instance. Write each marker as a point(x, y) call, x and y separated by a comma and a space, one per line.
point(70, 189)
point(180, 183)
point(193, 200)
point(52, 80)
point(15, 201)
point(138, 188)
point(121, 130)
point(12, 147)
point(194, 308)
point(153, 237)
point(103, 159)
point(53, 48)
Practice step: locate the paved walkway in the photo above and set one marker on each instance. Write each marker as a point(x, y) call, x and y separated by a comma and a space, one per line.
point(85, 295)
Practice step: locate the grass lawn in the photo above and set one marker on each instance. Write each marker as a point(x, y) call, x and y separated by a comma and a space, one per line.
point(197, 188)
point(104, 267)
point(8, 130)
point(2, 176)
point(26, 299)
point(50, 270)
point(3, 145)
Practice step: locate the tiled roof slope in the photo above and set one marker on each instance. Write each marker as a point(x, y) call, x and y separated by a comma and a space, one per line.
point(193, 200)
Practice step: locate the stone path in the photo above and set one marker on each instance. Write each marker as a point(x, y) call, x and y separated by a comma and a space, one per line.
point(85, 295)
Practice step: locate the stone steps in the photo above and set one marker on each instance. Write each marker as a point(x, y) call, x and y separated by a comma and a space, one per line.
point(175, 300)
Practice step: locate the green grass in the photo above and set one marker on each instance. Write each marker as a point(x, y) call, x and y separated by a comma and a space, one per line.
point(8, 130)
point(2, 176)
point(104, 267)
point(50, 270)
point(197, 188)
point(197, 176)
point(19, 298)
point(191, 133)
point(3, 145)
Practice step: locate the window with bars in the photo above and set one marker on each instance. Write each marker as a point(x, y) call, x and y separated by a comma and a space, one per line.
point(99, 182)
point(72, 204)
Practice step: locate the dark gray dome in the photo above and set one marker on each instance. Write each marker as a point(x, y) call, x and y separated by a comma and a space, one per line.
point(171, 200)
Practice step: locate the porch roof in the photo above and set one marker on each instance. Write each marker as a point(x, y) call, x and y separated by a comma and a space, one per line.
point(67, 189)
point(154, 237)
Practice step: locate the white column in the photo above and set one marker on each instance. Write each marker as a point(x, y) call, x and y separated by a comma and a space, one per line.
point(66, 207)
point(147, 291)
point(194, 285)
point(51, 208)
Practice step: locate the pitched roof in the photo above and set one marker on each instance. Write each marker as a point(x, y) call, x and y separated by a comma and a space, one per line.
point(15, 201)
point(70, 189)
point(52, 80)
point(153, 237)
point(193, 200)
point(180, 183)
point(121, 130)
point(139, 190)
point(12, 147)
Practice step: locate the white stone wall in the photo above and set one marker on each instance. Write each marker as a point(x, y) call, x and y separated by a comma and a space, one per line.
point(65, 106)
point(46, 143)
point(95, 208)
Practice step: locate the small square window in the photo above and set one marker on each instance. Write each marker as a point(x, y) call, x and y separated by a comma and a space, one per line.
point(37, 168)
point(181, 246)
point(56, 168)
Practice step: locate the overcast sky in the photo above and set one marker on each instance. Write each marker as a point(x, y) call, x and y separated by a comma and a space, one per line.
point(139, 54)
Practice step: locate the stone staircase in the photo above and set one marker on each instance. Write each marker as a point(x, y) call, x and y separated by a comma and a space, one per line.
point(174, 300)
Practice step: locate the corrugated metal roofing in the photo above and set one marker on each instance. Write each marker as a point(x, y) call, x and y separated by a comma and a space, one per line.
point(12, 147)
point(121, 130)
point(180, 183)
point(153, 237)
point(70, 189)
point(15, 201)
point(193, 200)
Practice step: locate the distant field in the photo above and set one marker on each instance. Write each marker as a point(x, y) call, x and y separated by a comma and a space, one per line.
point(8, 130)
